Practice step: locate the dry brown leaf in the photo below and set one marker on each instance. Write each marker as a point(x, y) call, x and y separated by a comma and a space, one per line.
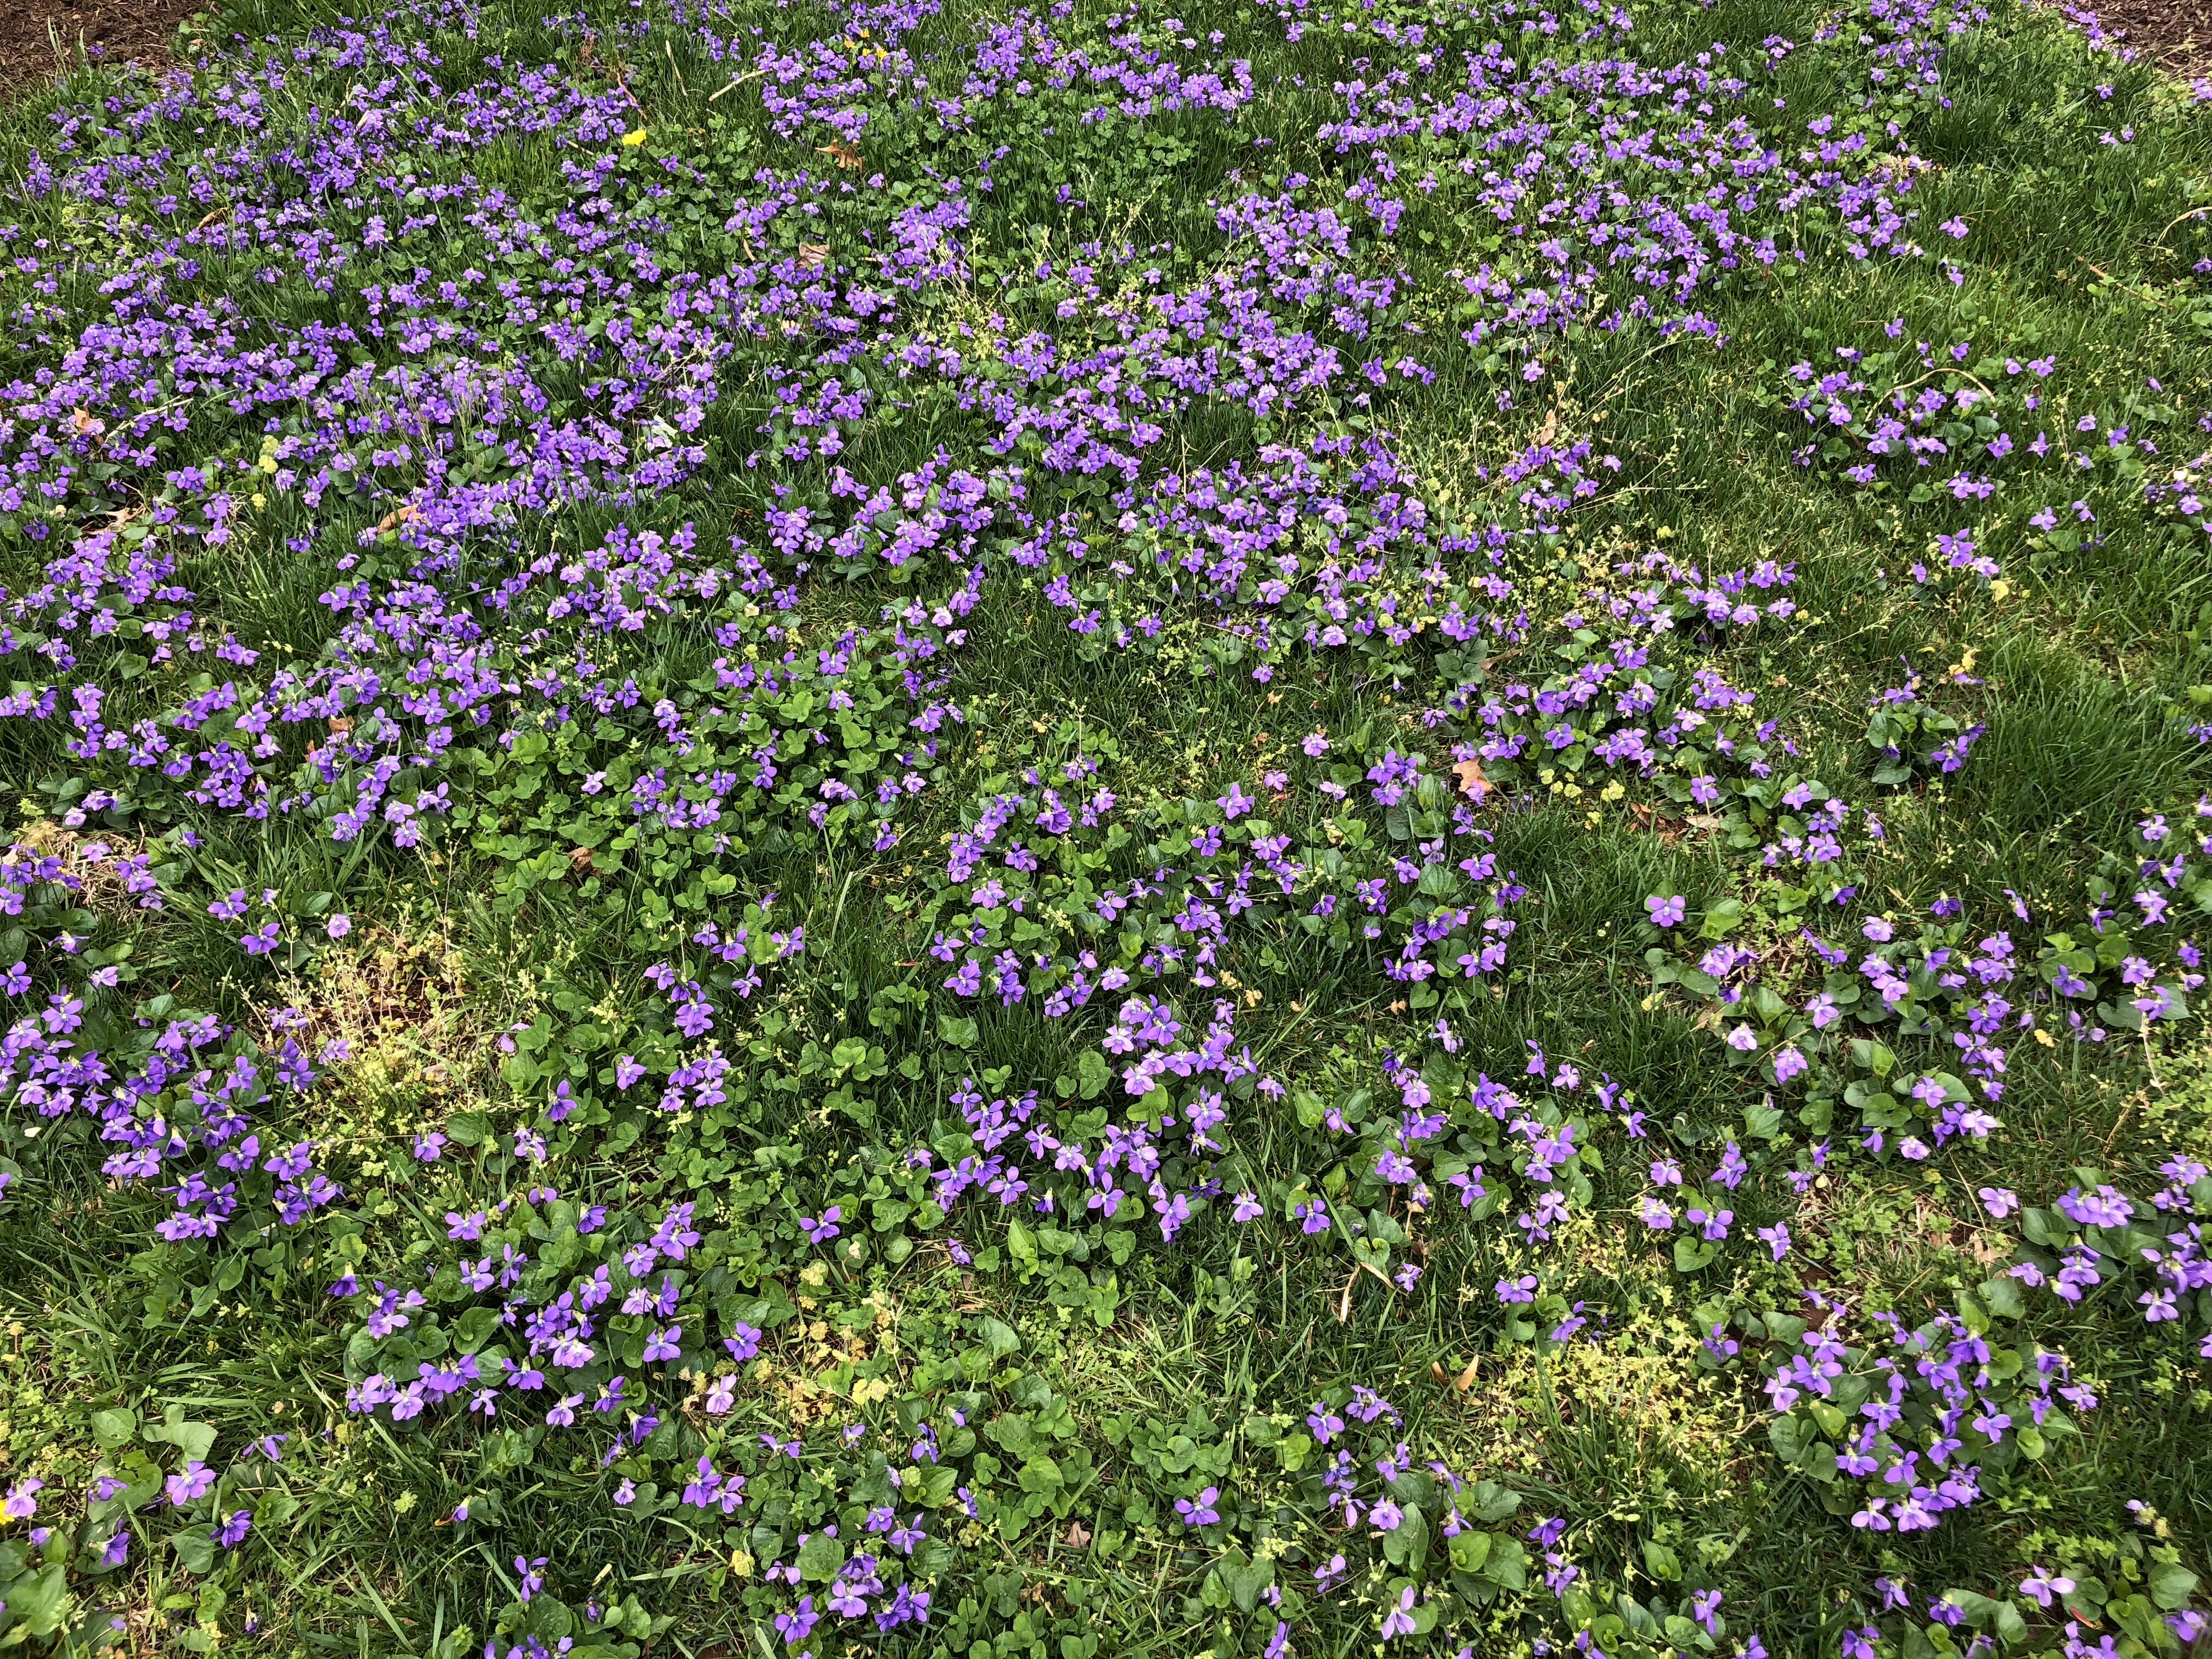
point(844, 155)
point(580, 859)
point(813, 253)
point(1078, 1536)
point(1471, 783)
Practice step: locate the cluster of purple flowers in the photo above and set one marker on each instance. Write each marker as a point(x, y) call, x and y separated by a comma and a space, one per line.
point(1952, 990)
point(1919, 1423)
point(186, 1104)
point(482, 368)
point(2096, 1235)
point(1987, 437)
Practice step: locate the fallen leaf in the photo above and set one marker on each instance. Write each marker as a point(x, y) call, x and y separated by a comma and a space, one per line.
point(1078, 1535)
point(580, 859)
point(1471, 781)
point(844, 155)
point(1465, 1380)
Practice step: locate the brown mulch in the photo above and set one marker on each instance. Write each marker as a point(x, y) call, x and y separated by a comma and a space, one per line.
point(106, 31)
point(2175, 33)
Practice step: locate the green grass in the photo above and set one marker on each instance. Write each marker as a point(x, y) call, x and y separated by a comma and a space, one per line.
point(2078, 249)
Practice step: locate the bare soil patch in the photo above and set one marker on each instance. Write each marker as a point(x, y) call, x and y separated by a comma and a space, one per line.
point(39, 37)
point(2178, 33)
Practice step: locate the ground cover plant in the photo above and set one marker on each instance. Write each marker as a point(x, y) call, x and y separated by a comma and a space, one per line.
point(890, 827)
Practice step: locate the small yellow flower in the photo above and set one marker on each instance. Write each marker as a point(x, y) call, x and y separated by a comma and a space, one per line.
point(633, 139)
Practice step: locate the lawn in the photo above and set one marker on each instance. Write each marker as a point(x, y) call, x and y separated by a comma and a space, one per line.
point(872, 826)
